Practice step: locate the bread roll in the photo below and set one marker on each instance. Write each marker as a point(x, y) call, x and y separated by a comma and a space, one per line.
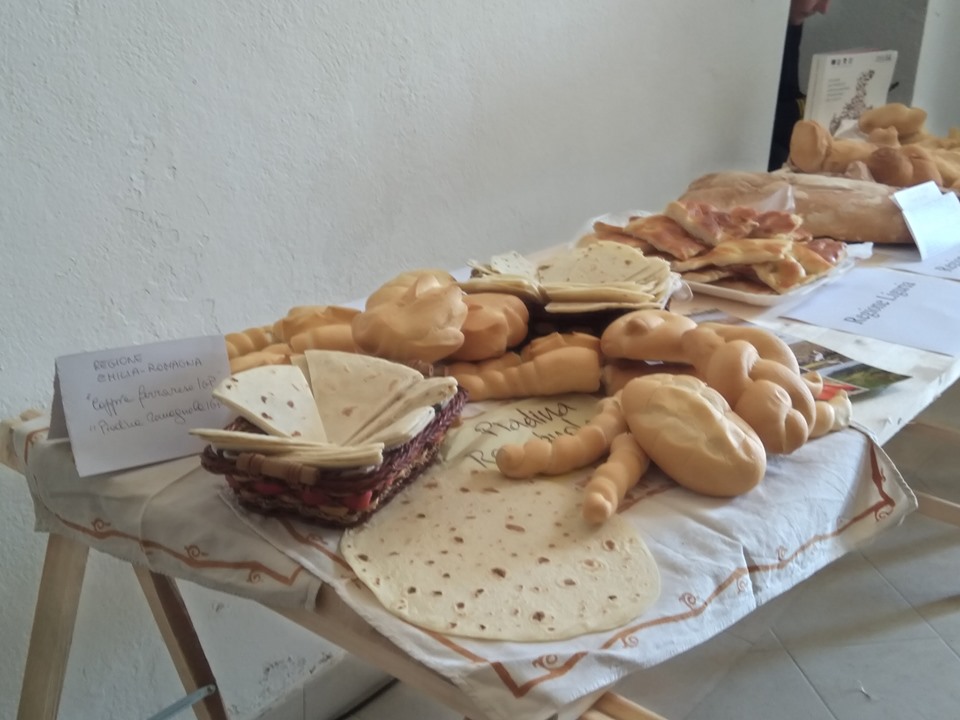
point(494, 323)
point(690, 432)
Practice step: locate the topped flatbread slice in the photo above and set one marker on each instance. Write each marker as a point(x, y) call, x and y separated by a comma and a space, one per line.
point(710, 225)
point(738, 252)
point(275, 398)
point(665, 235)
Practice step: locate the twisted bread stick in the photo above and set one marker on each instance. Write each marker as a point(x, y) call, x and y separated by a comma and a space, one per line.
point(247, 341)
point(833, 414)
point(569, 369)
point(568, 452)
point(610, 482)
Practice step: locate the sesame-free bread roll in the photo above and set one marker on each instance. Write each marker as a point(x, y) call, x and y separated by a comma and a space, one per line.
point(494, 323)
point(837, 207)
point(690, 432)
point(423, 324)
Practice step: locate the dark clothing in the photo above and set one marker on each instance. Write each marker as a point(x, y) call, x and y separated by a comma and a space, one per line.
point(789, 99)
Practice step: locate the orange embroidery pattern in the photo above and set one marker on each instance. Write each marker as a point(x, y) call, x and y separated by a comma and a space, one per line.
point(627, 637)
point(193, 557)
point(314, 542)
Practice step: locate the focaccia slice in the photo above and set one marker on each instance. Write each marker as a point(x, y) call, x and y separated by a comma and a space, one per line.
point(747, 251)
point(665, 235)
point(710, 225)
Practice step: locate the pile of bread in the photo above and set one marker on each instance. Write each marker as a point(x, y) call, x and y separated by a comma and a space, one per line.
point(422, 318)
point(843, 188)
point(738, 248)
point(484, 341)
point(706, 402)
point(893, 148)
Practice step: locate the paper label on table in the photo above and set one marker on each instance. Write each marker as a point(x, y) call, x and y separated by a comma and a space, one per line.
point(944, 265)
point(932, 217)
point(133, 406)
point(891, 305)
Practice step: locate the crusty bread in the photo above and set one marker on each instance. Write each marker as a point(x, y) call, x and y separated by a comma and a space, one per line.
point(494, 323)
point(836, 207)
point(690, 432)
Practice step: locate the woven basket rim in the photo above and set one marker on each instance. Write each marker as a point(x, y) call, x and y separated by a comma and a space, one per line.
point(348, 479)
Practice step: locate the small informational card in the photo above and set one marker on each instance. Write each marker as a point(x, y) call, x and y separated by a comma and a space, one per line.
point(133, 406)
point(891, 305)
point(933, 218)
point(944, 264)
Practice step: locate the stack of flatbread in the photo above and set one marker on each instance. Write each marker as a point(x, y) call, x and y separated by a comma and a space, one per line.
point(742, 248)
point(510, 273)
point(603, 275)
point(328, 409)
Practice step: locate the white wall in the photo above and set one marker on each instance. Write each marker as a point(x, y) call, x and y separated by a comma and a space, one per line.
point(938, 73)
point(172, 167)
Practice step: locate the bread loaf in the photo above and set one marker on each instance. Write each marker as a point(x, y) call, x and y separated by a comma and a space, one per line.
point(836, 207)
point(691, 433)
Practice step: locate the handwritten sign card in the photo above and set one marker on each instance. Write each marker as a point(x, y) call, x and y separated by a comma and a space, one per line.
point(133, 406)
point(899, 307)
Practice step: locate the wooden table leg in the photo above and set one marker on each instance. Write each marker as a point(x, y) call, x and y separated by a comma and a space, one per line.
point(54, 617)
point(181, 639)
point(938, 508)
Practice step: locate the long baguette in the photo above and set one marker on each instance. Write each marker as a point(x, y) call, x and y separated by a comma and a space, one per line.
point(836, 207)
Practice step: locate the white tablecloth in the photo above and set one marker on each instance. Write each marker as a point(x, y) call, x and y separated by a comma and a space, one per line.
point(718, 559)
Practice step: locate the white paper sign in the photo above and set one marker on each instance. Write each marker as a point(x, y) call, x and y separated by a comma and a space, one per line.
point(899, 307)
point(933, 218)
point(133, 406)
point(944, 265)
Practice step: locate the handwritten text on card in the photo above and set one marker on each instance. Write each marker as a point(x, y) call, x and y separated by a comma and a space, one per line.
point(133, 406)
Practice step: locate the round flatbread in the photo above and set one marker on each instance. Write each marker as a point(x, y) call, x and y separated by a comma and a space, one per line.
point(469, 553)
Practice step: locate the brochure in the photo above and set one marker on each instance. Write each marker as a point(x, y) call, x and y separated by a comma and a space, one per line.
point(837, 370)
point(844, 84)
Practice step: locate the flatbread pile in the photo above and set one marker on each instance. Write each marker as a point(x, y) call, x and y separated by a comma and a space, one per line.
point(472, 554)
point(510, 273)
point(741, 248)
point(604, 275)
point(329, 409)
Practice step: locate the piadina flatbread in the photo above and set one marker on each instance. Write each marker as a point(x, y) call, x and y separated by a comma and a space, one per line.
point(466, 552)
point(352, 391)
point(275, 398)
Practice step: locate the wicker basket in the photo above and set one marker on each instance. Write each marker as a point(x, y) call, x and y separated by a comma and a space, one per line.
point(331, 497)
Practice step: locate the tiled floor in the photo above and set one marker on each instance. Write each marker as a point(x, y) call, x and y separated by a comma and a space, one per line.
point(875, 636)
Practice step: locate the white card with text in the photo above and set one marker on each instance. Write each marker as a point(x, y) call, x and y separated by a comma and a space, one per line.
point(900, 307)
point(945, 264)
point(134, 406)
point(932, 216)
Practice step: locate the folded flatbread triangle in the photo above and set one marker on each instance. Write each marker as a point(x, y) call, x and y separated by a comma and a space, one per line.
point(352, 391)
point(388, 427)
point(275, 398)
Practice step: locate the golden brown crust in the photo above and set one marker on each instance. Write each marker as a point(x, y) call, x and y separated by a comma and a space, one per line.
point(494, 323)
point(567, 452)
point(569, 369)
point(834, 207)
point(691, 433)
point(422, 325)
point(610, 482)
